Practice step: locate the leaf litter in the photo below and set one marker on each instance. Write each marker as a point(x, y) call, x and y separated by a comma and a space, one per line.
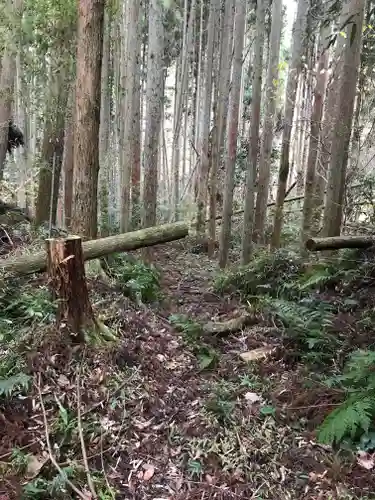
point(154, 425)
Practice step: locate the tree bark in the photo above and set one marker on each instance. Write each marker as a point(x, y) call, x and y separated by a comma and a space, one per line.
point(252, 160)
point(316, 118)
point(326, 132)
point(66, 271)
point(52, 150)
point(234, 105)
point(99, 248)
point(206, 118)
point(154, 97)
point(104, 127)
point(13, 11)
point(87, 118)
point(269, 122)
point(343, 122)
point(291, 89)
point(67, 160)
point(181, 89)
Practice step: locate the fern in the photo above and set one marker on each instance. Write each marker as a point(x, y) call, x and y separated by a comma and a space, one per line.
point(9, 385)
point(353, 416)
point(358, 411)
point(319, 278)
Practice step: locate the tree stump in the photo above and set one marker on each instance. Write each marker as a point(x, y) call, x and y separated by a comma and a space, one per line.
point(66, 271)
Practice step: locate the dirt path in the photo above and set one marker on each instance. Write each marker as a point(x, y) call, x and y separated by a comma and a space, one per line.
point(157, 427)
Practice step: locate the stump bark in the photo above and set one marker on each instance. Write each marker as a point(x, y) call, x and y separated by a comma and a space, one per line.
point(66, 271)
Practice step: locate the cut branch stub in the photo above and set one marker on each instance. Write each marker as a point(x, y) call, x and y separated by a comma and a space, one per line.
point(66, 273)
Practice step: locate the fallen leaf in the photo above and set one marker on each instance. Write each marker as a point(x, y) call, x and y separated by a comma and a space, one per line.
point(365, 460)
point(143, 425)
point(209, 479)
point(34, 465)
point(63, 381)
point(252, 397)
point(149, 472)
point(255, 354)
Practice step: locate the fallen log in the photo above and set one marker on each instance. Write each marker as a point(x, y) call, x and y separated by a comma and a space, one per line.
point(338, 242)
point(93, 249)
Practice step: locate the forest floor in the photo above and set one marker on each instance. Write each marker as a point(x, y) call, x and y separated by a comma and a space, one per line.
point(157, 426)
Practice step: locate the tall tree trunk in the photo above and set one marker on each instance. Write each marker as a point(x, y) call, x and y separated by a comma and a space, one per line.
point(234, 105)
point(181, 91)
point(291, 89)
point(326, 134)
point(52, 149)
point(343, 123)
point(206, 113)
point(104, 127)
point(316, 118)
point(131, 46)
point(136, 130)
point(87, 117)
point(198, 97)
point(248, 222)
point(212, 187)
point(224, 82)
point(68, 160)
point(13, 9)
point(21, 101)
point(221, 98)
point(154, 96)
point(269, 122)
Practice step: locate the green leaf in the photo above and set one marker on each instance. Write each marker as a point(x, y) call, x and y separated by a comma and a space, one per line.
point(13, 383)
point(268, 410)
point(62, 412)
point(207, 359)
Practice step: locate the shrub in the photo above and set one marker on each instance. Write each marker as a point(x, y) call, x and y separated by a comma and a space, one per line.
point(138, 280)
point(272, 274)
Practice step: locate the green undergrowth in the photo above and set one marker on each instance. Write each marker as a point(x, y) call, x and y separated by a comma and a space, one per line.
point(22, 307)
point(324, 311)
point(137, 280)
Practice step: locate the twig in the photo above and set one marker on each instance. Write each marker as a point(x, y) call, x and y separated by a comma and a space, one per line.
point(80, 432)
point(322, 405)
point(51, 457)
point(103, 468)
point(7, 235)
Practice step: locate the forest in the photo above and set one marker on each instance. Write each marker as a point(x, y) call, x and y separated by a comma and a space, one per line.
point(187, 257)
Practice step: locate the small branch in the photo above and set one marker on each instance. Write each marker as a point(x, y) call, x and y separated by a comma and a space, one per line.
point(80, 432)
